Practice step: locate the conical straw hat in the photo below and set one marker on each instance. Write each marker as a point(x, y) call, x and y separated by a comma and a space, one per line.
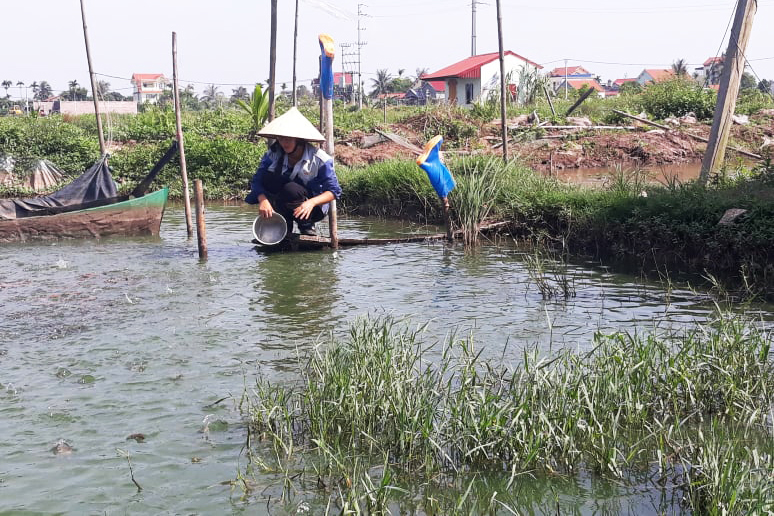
point(292, 124)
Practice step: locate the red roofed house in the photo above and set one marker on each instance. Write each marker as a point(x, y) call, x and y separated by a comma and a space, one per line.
point(148, 87)
point(474, 78)
point(650, 75)
point(613, 88)
point(577, 84)
point(558, 75)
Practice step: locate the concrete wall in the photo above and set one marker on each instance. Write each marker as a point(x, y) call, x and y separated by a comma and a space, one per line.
point(86, 107)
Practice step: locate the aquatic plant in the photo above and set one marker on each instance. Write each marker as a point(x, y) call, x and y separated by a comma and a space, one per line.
point(383, 414)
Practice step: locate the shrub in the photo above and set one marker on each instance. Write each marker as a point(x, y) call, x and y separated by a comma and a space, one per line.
point(677, 97)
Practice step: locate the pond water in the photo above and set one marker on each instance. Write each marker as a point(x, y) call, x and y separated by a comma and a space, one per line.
point(103, 340)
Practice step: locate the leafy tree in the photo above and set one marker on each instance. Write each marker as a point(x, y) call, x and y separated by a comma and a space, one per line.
point(748, 82)
point(258, 108)
point(302, 91)
point(103, 88)
point(630, 88)
point(381, 82)
point(765, 85)
point(680, 68)
point(188, 99)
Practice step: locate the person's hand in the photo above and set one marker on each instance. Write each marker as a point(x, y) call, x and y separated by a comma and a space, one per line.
point(304, 211)
point(265, 209)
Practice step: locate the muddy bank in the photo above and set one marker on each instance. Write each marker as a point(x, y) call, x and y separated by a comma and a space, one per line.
point(565, 149)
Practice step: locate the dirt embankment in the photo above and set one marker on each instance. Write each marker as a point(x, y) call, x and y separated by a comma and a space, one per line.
point(558, 149)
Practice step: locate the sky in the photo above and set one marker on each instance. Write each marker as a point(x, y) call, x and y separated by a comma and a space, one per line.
point(226, 43)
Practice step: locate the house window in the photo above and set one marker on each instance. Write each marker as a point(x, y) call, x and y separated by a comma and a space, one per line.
point(468, 93)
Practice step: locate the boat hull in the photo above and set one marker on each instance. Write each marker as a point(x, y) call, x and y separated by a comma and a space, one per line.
point(134, 217)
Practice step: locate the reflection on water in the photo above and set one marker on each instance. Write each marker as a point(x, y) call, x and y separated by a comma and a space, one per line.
point(660, 174)
point(101, 340)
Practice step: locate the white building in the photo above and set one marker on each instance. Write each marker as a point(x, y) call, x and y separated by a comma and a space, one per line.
point(473, 79)
point(148, 87)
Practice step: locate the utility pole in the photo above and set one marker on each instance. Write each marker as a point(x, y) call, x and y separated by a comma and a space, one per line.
point(502, 82)
point(473, 32)
point(565, 79)
point(360, 45)
point(733, 67)
point(348, 67)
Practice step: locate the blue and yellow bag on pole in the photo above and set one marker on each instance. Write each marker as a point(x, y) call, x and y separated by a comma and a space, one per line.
point(439, 175)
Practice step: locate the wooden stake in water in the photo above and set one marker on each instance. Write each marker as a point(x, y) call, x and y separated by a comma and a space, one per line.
point(201, 226)
point(181, 148)
point(326, 91)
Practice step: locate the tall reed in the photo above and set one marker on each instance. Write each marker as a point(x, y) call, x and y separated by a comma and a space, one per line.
point(381, 414)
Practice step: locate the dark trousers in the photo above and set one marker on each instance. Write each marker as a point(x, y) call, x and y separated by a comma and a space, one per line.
point(285, 196)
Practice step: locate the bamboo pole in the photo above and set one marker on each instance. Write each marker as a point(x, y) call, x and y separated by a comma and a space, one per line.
point(272, 58)
point(504, 128)
point(730, 79)
point(578, 102)
point(93, 83)
point(550, 102)
point(181, 148)
point(201, 226)
point(295, 48)
point(327, 49)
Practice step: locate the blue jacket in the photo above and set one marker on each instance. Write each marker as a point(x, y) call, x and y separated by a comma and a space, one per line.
point(314, 171)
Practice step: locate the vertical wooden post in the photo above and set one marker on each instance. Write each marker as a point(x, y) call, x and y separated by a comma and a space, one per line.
point(447, 219)
point(550, 102)
point(180, 146)
point(93, 83)
point(201, 226)
point(295, 48)
point(729, 88)
point(272, 58)
point(326, 91)
point(502, 82)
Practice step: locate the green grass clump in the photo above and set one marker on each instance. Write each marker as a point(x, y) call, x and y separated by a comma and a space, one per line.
point(380, 413)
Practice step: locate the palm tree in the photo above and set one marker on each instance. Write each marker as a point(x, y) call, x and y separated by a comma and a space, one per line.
point(382, 82)
point(73, 85)
point(211, 94)
point(44, 91)
point(239, 93)
point(20, 84)
point(7, 84)
point(35, 86)
point(680, 68)
point(258, 108)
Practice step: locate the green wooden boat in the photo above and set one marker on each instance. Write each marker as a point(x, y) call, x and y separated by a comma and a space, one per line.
point(88, 207)
point(129, 217)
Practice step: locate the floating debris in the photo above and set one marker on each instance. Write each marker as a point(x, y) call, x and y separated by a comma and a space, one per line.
point(62, 447)
point(140, 438)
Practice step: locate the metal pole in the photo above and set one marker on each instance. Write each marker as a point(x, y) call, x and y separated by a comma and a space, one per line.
point(473, 32)
point(502, 82)
point(93, 83)
point(730, 78)
point(565, 79)
point(180, 146)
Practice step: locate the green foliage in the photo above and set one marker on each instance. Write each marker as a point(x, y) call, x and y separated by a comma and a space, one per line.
point(677, 97)
point(258, 108)
point(752, 100)
point(64, 144)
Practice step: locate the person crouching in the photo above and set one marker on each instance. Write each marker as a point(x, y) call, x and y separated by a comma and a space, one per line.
point(294, 178)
